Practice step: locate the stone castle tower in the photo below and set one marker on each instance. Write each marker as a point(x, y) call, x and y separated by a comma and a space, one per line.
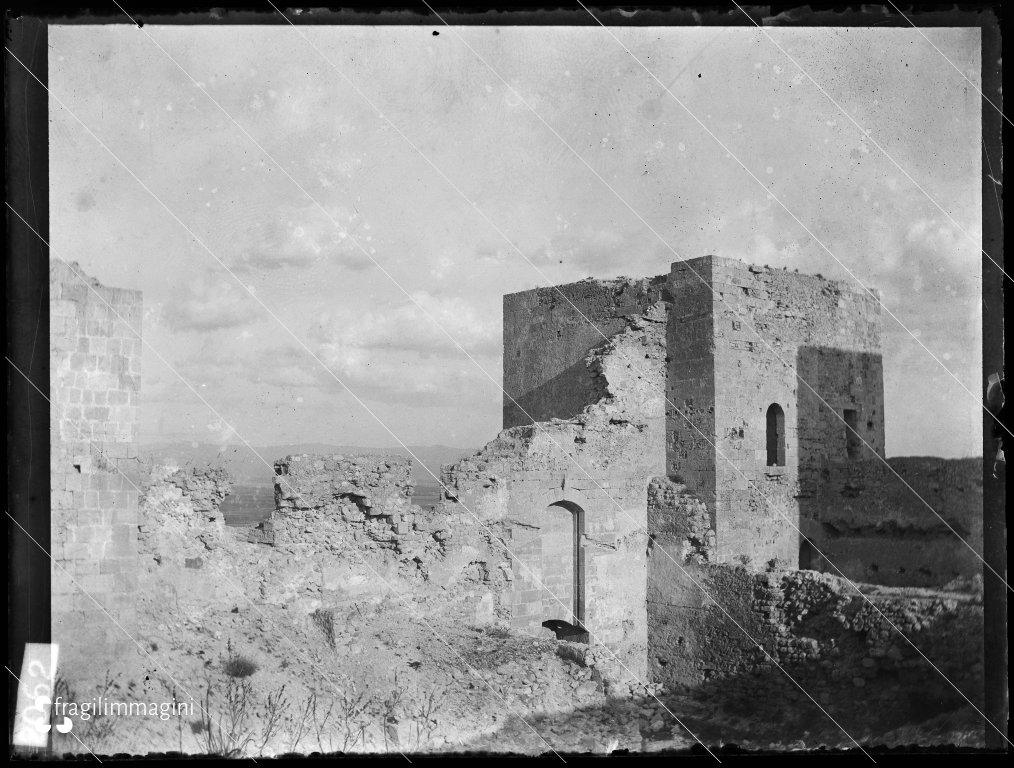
point(768, 410)
point(763, 370)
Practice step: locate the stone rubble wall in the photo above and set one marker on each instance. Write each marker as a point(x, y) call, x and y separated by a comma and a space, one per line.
point(95, 384)
point(344, 532)
point(188, 558)
point(366, 497)
point(181, 520)
point(678, 517)
point(830, 640)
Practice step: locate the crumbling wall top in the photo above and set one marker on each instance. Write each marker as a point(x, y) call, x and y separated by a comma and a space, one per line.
point(548, 334)
point(618, 286)
point(68, 282)
point(310, 481)
point(704, 265)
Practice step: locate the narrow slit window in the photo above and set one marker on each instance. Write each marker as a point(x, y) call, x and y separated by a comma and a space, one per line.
point(853, 443)
point(776, 436)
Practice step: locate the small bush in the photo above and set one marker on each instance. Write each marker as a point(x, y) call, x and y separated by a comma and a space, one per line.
point(498, 632)
point(324, 619)
point(239, 666)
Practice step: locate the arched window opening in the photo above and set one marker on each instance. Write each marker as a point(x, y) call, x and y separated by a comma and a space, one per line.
point(776, 436)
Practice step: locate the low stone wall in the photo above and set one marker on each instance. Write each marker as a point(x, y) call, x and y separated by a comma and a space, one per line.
point(839, 646)
point(344, 532)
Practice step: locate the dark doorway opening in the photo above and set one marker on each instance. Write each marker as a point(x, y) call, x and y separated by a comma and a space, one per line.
point(563, 569)
point(807, 556)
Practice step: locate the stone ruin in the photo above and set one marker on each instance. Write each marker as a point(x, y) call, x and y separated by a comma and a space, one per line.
point(646, 424)
point(652, 454)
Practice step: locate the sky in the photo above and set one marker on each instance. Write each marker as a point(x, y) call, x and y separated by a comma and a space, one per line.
point(378, 190)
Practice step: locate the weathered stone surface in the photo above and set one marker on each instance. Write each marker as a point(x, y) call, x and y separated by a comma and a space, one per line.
point(678, 518)
point(95, 381)
point(325, 547)
point(824, 634)
point(573, 492)
point(180, 515)
point(741, 340)
point(548, 334)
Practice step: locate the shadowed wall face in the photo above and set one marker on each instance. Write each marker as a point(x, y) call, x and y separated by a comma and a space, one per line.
point(898, 524)
point(95, 359)
point(842, 417)
point(690, 379)
point(548, 333)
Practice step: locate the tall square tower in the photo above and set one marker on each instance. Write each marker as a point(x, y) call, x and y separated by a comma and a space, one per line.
point(774, 378)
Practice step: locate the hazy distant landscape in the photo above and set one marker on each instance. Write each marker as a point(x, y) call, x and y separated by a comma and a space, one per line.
point(252, 469)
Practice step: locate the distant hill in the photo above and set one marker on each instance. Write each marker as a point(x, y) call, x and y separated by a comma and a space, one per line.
point(247, 466)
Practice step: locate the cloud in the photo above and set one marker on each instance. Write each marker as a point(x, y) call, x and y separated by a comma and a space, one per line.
point(210, 303)
point(400, 355)
point(425, 325)
point(306, 237)
point(494, 253)
point(602, 251)
point(413, 380)
point(221, 432)
point(942, 242)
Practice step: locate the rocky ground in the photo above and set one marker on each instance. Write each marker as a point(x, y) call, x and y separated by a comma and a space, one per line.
point(381, 682)
point(266, 682)
point(267, 664)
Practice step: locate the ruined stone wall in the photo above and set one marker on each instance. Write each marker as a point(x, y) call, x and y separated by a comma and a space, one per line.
point(187, 556)
point(181, 521)
point(547, 336)
point(829, 639)
point(874, 526)
point(345, 530)
point(681, 520)
point(826, 330)
point(95, 365)
point(363, 489)
point(533, 480)
point(343, 535)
